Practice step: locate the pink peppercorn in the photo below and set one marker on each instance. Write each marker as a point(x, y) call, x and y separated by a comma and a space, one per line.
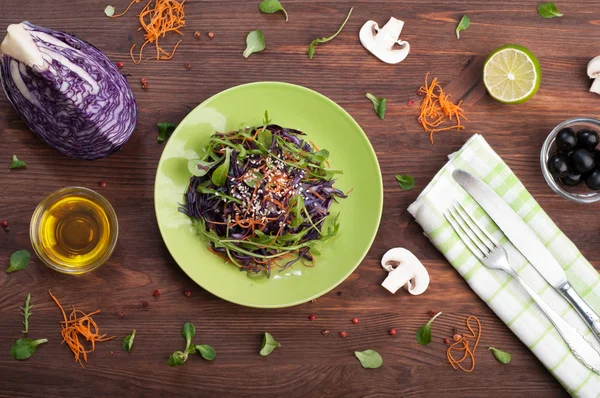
point(392, 332)
point(119, 64)
point(156, 293)
point(312, 318)
point(343, 334)
point(355, 320)
point(187, 293)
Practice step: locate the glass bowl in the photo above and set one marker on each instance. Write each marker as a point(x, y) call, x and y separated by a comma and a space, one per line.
point(579, 193)
point(91, 230)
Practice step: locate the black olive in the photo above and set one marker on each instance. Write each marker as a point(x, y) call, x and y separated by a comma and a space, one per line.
point(558, 165)
point(572, 178)
point(593, 180)
point(587, 139)
point(566, 140)
point(582, 161)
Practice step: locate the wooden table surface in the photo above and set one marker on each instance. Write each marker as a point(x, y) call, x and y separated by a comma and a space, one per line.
point(308, 364)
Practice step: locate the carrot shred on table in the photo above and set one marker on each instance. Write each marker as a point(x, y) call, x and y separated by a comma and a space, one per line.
point(74, 326)
point(437, 109)
point(463, 345)
point(165, 16)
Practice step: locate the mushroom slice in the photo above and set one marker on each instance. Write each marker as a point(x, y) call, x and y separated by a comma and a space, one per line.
point(410, 272)
point(385, 43)
point(593, 71)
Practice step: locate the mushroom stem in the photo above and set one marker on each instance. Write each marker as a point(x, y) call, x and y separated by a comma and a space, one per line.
point(595, 86)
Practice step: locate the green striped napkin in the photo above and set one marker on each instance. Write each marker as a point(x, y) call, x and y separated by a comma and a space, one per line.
point(502, 294)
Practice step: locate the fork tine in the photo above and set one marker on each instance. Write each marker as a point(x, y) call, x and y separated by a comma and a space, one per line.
point(463, 236)
point(472, 234)
point(476, 229)
point(493, 241)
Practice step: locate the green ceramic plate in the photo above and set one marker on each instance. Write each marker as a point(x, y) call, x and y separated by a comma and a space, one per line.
point(328, 126)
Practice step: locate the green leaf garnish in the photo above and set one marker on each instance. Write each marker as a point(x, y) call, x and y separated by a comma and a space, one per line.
point(255, 42)
point(219, 176)
point(178, 358)
point(406, 182)
point(26, 312)
point(501, 356)
point(268, 345)
point(271, 6)
point(378, 104)
point(128, 341)
point(206, 351)
point(462, 25)
point(311, 47)
point(24, 348)
point(548, 10)
point(369, 359)
point(16, 163)
point(164, 131)
point(19, 260)
point(109, 11)
point(424, 332)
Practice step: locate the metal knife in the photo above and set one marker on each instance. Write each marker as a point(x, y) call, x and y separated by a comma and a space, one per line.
point(525, 240)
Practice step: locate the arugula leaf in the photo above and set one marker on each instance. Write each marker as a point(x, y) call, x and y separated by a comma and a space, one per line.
point(378, 104)
point(265, 138)
point(219, 176)
point(272, 6)
point(424, 332)
point(548, 10)
point(297, 207)
point(266, 120)
point(369, 359)
point(164, 131)
point(268, 345)
point(255, 42)
point(24, 348)
point(462, 25)
point(501, 356)
point(206, 351)
point(406, 182)
point(16, 163)
point(19, 260)
point(109, 11)
point(128, 341)
point(26, 312)
point(255, 179)
point(311, 47)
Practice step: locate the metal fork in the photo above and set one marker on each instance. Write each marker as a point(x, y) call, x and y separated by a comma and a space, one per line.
point(492, 255)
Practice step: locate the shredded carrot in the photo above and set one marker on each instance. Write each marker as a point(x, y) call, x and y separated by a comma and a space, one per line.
point(83, 325)
point(165, 16)
point(437, 109)
point(463, 345)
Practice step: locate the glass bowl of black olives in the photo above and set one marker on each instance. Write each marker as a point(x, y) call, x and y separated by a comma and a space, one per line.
point(571, 160)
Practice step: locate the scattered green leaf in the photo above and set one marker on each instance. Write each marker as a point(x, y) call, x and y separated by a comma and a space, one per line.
point(188, 331)
point(206, 351)
point(268, 345)
point(549, 10)
point(219, 176)
point(501, 356)
point(272, 6)
point(26, 312)
point(462, 25)
point(16, 163)
point(311, 47)
point(178, 358)
point(164, 131)
point(24, 348)
point(378, 104)
point(424, 332)
point(19, 260)
point(255, 42)
point(369, 359)
point(128, 341)
point(109, 11)
point(406, 182)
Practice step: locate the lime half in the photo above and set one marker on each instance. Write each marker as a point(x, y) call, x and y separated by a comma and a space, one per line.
point(512, 74)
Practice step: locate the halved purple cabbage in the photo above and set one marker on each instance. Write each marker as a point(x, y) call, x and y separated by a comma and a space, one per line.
point(67, 91)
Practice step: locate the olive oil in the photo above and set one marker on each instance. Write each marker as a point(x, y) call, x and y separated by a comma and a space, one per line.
point(75, 231)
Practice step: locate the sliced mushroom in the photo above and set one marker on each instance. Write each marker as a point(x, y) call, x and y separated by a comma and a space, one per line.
point(410, 272)
point(593, 71)
point(385, 43)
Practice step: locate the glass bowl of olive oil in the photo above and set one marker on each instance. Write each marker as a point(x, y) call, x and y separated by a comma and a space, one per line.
point(74, 230)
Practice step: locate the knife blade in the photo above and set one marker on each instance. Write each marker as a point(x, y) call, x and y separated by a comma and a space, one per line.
point(525, 240)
